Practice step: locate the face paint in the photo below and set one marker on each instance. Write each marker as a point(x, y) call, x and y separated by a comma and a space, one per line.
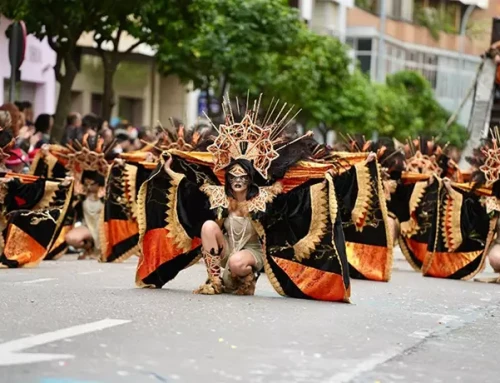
point(239, 183)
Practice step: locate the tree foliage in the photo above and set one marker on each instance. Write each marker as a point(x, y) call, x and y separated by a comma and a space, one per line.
point(144, 21)
point(223, 41)
point(423, 115)
point(61, 22)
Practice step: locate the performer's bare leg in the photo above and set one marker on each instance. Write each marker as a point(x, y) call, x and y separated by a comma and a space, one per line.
point(494, 257)
point(80, 238)
point(212, 242)
point(241, 266)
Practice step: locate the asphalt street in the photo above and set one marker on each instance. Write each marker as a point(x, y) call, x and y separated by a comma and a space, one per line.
point(72, 321)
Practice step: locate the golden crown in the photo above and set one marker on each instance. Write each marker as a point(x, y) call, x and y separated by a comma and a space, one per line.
point(249, 139)
point(491, 166)
point(79, 157)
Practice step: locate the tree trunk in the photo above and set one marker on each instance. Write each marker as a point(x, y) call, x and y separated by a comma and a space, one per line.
point(110, 65)
point(64, 100)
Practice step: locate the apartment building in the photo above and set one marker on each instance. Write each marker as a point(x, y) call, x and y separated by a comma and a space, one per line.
point(423, 35)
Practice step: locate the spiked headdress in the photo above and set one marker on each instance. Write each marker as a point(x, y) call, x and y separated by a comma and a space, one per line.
point(250, 139)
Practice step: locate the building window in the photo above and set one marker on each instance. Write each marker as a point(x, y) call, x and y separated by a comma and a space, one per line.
point(365, 63)
point(397, 8)
point(362, 52)
point(364, 45)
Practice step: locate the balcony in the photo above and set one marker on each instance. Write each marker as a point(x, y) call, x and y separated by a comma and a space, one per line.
point(412, 33)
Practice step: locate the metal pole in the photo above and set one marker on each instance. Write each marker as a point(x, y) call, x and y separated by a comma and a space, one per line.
point(463, 25)
point(381, 43)
point(13, 66)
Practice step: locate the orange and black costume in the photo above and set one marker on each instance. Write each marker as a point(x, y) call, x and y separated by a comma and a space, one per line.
point(294, 210)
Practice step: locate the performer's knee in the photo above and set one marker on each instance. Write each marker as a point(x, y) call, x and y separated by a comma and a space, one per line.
point(495, 262)
point(494, 257)
point(210, 228)
point(239, 265)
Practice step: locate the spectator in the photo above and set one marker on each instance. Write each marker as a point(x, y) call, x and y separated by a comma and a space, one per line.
point(17, 161)
point(90, 124)
point(16, 118)
point(43, 126)
point(5, 120)
point(73, 126)
point(123, 142)
point(28, 112)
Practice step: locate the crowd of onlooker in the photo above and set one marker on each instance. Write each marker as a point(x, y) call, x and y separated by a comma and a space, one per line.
point(32, 133)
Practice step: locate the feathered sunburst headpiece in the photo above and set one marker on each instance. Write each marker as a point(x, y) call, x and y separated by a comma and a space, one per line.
point(251, 139)
point(89, 154)
point(422, 156)
point(491, 165)
point(180, 138)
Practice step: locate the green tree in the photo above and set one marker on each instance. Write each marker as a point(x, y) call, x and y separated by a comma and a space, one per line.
point(223, 40)
point(413, 110)
point(310, 74)
point(148, 21)
point(62, 22)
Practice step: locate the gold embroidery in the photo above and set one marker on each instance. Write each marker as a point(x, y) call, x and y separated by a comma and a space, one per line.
point(51, 161)
point(450, 224)
point(319, 219)
point(130, 188)
point(4, 190)
point(41, 216)
point(410, 227)
point(48, 196)
point(218, 198)
point(385, 217)
point(266, 195)
point(141, 221)
point(267, 268)
point(429, 257)
point(489, 241)
point(406, 252)
point(363, 199)
point(422, 163)
point(175, 230)
point(333, 206)
point(491, 203)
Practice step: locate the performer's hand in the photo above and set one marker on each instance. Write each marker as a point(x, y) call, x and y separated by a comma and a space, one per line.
point(168, 164)
point(120, 161)
point(372, 156)
point(45, 149)
point(67, 181)
point(150, 157)
point(447, 184)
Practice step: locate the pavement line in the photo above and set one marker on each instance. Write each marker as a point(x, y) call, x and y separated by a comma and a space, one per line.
point(366, 365)
point(10, 351)
point(90, 272)
point(48, 337)
point(36, 281)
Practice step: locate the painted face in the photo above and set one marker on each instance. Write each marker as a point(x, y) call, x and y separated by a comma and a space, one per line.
point(239, 183)
point(91, 186)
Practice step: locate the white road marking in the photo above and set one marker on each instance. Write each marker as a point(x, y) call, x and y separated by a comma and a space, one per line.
point(35, 281)
point(10, 351)
point(366, 365)
point(90, 272)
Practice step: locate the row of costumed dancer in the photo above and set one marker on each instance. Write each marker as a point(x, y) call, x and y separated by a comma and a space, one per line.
point(249, 196)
